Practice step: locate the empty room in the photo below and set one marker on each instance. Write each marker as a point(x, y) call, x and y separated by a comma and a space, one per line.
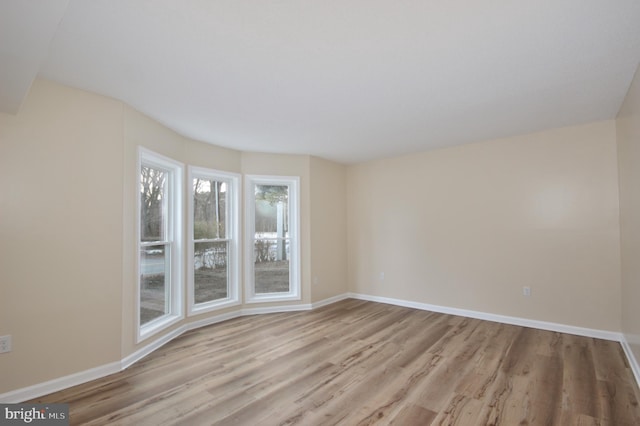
point(319, 213)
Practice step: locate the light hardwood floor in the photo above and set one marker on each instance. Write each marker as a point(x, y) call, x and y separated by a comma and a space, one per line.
point(357, 363)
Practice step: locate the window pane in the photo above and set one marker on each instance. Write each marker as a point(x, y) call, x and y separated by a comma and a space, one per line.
point(271, 204)
point(154, 283)
point(210, 274)
point(153, 185)
point(271, 265)
point(209, 209)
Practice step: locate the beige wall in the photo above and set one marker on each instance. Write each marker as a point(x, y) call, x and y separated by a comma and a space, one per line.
point(468, 227)
point(61, 177)
point(68, 167)
point(328, 230)
point(628, 132)
point(465, 227)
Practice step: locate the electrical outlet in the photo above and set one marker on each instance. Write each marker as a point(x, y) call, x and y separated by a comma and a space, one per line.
point(316, 280)
point(5, 344)
point(381, 276)
point(526, 291)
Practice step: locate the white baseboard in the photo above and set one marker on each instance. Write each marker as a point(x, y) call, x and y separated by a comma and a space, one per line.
point(31, 392)
point(146, 350)
point(275, 309)
point(633, 362)
point(156, 344)
point(329, 301)
point(212, 320)
point(55, 385)
point(40, 389)
point(524, 322)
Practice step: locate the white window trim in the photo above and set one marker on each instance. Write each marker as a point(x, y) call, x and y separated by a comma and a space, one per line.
point(294, 235)
point(233, 236)
point(174, 206)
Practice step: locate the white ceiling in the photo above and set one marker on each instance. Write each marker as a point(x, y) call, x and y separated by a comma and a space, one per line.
point(26, 30)
point(348, 80)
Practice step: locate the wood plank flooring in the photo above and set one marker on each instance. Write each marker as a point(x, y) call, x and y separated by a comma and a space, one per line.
point(363, 363)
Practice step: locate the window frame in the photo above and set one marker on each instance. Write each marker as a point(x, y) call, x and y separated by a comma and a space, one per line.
point(232, 237)
point(294, 293)
point(173, 241)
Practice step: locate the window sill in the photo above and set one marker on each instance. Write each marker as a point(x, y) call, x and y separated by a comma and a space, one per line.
point(272, 297)
point(215, 305)
point(157, 326)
